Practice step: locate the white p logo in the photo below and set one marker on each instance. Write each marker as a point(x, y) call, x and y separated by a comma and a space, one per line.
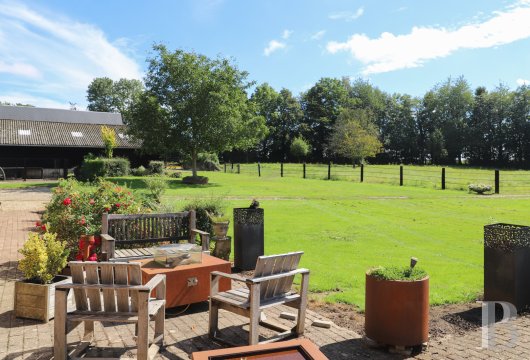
point(488, 322)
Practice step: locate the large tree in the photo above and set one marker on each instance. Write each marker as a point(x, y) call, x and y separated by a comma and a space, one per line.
point(194, 104)
point(354, 135)
point(106, 95)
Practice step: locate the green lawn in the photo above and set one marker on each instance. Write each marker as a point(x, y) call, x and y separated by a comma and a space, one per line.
point(347, 227)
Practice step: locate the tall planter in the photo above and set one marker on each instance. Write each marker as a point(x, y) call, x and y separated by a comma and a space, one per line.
point(397, 312)
point(507, 264)
point(248, 237)
point(37, 301)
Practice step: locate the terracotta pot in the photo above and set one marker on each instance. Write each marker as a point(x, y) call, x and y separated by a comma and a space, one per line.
point(397, 312)
point(220, 229)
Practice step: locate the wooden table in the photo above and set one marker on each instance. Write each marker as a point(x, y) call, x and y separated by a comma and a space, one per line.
point(187, 284)
point(299, 349)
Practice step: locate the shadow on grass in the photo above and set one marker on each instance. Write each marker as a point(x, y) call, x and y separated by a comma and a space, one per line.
point(139, 183)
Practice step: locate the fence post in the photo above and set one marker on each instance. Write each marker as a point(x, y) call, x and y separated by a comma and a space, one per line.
point(329, 170)
point(400, 175)
point(259, 170)
point(304, 171)
point(362, 172)
point(497, 181)
point(225, 167)
point(443, 178)
point(281, 169)
point(239, 168)
point(232, 167)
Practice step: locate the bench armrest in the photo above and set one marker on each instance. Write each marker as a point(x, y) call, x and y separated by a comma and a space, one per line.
point(155, 282)
point(108, 246)
point(229, 276)
point(278, 276)
point(205, 238)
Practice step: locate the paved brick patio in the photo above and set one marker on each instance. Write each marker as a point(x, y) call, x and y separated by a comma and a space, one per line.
point(186, 332)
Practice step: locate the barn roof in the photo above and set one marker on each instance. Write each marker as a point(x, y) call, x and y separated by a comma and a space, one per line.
point(25, 126)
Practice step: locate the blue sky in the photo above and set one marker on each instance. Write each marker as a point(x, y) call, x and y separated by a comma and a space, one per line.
point(51, 50)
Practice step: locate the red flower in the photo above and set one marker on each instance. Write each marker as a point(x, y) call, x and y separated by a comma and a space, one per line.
point(38, 224)
point(92, 202)
point(118, 205)
point(97, 240)
point(79, 257)
point(82, 221)
point(67, 201)
point(93, 257)
point(81, 244)
point(43, 227)
point(107, 209)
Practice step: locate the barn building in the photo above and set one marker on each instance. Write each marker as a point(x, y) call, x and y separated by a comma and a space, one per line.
point(47, 143)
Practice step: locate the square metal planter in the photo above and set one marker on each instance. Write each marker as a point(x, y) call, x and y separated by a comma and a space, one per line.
point(507, 264)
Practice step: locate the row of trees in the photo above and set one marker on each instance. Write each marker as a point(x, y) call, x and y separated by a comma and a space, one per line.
point(192, 104)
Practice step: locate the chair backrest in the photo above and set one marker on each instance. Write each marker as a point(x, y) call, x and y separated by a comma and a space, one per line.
point(112, 298)
point(148, 228)
point(276, 264)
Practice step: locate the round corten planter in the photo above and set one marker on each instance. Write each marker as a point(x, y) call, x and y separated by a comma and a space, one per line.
point(397, 312)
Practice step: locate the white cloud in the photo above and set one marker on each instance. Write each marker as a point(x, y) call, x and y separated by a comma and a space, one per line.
point(287, 34)
point(23, 98)
point(273, 46)
point(522, 82)
point(53, 57)
point(318, 35)
point(392, 52)
point(347, 15)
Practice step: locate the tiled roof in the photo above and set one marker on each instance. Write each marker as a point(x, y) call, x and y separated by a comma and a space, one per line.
point(59, 134)
point(59, 115)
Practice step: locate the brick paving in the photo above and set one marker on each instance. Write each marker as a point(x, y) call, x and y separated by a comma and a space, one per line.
point(187, 332)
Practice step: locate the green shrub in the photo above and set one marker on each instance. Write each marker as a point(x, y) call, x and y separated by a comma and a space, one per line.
point(405, 273)
point(156, 167)
point(44, 257)
point(101, 167)
point(176, 175)
point(203, 207)
point(139, 171)
point(157, 186)
point(205, 161)
point(75, 210)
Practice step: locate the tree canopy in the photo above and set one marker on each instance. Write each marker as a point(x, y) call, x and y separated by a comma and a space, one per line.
point(194, 104)
point(106, 95)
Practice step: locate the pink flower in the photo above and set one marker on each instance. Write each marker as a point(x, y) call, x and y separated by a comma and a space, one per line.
point(67, 201)
point(82, 221)
point(93, 257)
point(92, 202)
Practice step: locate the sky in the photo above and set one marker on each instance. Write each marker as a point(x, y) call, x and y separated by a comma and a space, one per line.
point(52, 49)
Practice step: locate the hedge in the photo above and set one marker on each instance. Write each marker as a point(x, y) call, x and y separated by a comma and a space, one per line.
point(102, 167)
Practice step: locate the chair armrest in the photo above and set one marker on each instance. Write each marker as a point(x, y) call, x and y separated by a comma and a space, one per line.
point(229, 276)
point(205, 238)
point(200, 232)
point(108, 245)
point(278, 276)
point(156, 281)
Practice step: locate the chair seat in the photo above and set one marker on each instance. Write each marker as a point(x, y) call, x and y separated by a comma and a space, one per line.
point(240, 298)
point(127, 317)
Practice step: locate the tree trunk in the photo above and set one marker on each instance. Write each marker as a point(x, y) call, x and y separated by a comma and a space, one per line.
point(194, 163)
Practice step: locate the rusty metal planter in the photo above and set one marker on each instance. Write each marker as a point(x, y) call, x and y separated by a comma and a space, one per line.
point(507, 264)
point(397, 312)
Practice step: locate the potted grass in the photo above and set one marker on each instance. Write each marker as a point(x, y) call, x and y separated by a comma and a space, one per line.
point(220, 225)
point(397, 305)
point(44, 258)
point(223, 246)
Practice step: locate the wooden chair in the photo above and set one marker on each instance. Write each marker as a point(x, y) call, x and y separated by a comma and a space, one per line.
point(110, 292)
point(270, 286)
point(131, 237)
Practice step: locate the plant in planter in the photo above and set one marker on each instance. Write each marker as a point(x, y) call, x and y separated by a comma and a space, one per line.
point(220, 224)
point(397, 305)
point(223, 246)
point(479, 188)
point(44, 258)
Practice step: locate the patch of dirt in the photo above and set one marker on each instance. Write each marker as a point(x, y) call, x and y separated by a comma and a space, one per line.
point(444, 320)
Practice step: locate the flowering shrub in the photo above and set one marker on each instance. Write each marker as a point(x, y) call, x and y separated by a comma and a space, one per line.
point(44, 257)
point(76, 210)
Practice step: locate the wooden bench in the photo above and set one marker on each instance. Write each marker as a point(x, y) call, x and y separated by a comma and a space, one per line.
point(131, 237)
point(270, 286)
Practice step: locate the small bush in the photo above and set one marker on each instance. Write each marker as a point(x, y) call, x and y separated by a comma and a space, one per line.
point(156, 167)
point(44, 257)
point(176, 175)
point(157, 186)
point(479, 188)
point(203, 207)
point(205, 161)
point(139, 171)
point(195, 180)
point(398, 273)
point(101, 167)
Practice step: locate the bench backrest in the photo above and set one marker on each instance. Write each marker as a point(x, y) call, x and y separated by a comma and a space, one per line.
point(276, 264)
point(111, 298)
point(149, 228)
